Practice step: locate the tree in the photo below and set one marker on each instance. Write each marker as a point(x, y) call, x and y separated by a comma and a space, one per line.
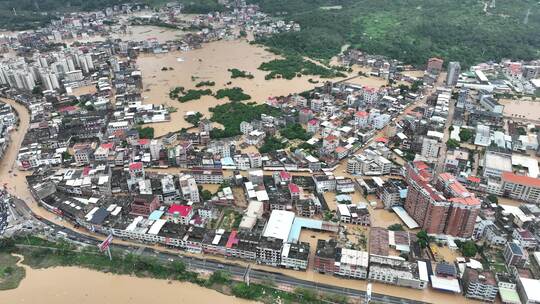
point(206, 195)
point(146, 132)
point(493, 198)
point(395, 227)
point(423, 238)
point(465, 134)
point(37, 90)
point(452, 144)
point(469, 249)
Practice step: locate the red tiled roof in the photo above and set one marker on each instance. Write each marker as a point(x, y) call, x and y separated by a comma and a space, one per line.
point(233, 240)
point(330, 138)
point(341, 149)
point(135, 166)
point(294, 188)
point(382, 139)
point(109, 145)
point(313, 122)
point(144, 141)
point(473, 179)
point(521, 179)
point(68, 109)
point(361, 114)
point(284, 175)
point(183, 210)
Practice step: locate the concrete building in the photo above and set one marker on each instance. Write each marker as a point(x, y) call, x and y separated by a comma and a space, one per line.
point(521, 187)
point(188, 187)
point(397, 271)
point(454, 69)
point(515, 255)
point(479, 285)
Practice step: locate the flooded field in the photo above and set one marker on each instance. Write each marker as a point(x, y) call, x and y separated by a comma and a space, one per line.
point(136, 33)
point(84, 90)
point(210, 63)
point(527, 109)
point(66, 285)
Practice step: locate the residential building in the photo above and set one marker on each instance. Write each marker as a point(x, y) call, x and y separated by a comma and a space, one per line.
point(480, 285)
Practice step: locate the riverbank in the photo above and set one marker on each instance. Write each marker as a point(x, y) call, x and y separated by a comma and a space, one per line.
point(67, 263)
point(63, 285)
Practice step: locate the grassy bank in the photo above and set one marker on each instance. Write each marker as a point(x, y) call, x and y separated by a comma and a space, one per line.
point(10, 274)
point(40, 253)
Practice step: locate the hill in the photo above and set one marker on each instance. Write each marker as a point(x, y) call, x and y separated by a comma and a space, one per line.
point(468, 31)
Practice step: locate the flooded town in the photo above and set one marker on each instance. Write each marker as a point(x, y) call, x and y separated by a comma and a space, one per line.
point(153, 154)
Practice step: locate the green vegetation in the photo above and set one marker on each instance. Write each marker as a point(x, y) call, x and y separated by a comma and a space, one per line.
point(493, 198)
point(294, 131)
point(180, 94)
point(467, 248)
point(206, 195)
point(236, 73)
point(396, 227)
point(37, 90)
point(410, 31)
point(452, 144)
point(175, 92)
point(194, 95)
point(202, 6)
point(234, 94)
point(146, 132)
point(296, 66)
point(194, 119)
point(205, 84)
point(423, 238)
point(230, 115)
point(465, 134)
point(271, 144)
point(53, 254)
point(231, 219)
point(10, 274)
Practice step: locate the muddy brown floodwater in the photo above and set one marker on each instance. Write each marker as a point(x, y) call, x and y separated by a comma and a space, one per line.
point(67, 285)
point(211, 63)
point(527, 109)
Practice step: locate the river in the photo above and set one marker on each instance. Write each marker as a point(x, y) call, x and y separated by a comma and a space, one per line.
point(66, 285)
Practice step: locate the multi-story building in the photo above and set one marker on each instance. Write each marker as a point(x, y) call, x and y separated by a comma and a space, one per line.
point(454, 69)
point(269, 251)
point(447, 208)
point(392, 193)
point(515, 255)
point(352, 263)
point(324, 183)
point(427, 206)
point(144, 204)
point(480, 285)
point(295, 256)
point(430, 148)
point(464, 208)
point(435, 65)
point(521, 187)
point(188, 187)
point(181, 214)
point(331, 259)
point(206, 176)
point(397, 271)
point(353, 214)
point(525, 238)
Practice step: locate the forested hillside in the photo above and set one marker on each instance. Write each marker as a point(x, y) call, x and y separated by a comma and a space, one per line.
point(411, 30)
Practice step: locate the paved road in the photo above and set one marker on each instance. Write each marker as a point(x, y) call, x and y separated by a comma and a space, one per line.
point(236, 270)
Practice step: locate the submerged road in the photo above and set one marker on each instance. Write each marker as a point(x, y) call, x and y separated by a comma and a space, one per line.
point(14, 182)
